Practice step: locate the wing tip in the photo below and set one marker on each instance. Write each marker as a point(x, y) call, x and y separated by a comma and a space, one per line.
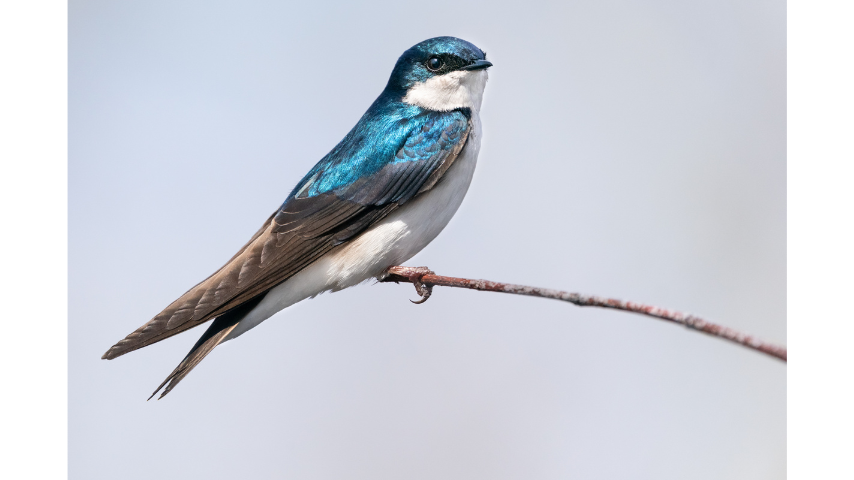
point(110, 354)
point(119, 349)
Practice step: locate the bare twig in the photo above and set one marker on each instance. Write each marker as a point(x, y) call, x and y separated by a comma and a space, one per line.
point(424, 280)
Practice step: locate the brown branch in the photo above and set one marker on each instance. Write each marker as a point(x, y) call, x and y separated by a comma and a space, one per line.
point(424, 280)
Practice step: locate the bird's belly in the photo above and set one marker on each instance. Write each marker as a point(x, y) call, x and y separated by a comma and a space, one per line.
point(406, 231)
point(392, 241)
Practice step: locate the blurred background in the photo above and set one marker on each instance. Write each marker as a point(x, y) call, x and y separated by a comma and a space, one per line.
point(634, 149)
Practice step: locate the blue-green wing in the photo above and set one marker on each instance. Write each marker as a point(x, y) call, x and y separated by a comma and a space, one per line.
point(366, 177)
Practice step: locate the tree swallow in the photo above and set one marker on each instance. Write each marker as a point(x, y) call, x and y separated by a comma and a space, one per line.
point(379, 197)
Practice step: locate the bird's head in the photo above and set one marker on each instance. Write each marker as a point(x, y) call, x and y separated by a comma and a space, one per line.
point(441, 74)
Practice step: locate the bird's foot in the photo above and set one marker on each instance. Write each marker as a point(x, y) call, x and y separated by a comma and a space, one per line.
point(413, 275)
point(423, 289)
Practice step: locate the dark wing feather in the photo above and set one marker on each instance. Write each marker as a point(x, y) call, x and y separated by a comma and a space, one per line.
point(215, 334)
point(305, 228)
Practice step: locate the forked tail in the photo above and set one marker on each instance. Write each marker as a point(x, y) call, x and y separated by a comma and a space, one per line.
point(213, 336)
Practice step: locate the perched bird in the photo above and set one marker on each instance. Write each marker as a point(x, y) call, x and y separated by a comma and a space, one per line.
point(379, 197)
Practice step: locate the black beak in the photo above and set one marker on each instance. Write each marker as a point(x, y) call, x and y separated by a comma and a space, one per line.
point(478, 65)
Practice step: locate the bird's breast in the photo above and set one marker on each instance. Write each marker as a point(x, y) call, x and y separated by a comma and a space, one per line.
point(409, 229)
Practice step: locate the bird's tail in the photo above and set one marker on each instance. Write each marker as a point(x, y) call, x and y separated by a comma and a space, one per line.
point(213, 336)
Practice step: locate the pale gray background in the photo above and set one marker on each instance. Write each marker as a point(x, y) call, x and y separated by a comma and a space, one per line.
point(631, 149)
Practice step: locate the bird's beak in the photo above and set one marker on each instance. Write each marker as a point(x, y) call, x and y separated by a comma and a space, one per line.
point(478, 65)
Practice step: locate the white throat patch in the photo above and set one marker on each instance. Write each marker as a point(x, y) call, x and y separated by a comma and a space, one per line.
point(459, 89)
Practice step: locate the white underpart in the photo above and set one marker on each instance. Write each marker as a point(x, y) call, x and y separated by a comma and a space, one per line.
point(399, 236)
point(460, 89)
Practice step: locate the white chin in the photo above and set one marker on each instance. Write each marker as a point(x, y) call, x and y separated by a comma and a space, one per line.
point(460, 89)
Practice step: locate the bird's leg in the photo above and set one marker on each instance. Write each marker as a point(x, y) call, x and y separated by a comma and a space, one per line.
point(413, 275)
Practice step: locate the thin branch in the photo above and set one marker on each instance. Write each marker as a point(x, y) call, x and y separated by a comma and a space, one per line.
point(424, 280)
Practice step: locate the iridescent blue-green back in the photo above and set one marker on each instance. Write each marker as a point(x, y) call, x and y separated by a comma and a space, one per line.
point(395, 146)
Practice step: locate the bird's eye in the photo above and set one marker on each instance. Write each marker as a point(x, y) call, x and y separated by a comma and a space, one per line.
point(435, 63)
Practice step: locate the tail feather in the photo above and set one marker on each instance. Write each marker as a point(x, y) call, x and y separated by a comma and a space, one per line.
point(213, 336)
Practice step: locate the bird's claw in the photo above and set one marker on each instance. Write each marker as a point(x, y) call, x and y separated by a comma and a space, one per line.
point(424, 290)
point(414, 275)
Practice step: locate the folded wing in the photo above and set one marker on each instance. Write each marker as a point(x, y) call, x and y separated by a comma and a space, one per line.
point(343, 195)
